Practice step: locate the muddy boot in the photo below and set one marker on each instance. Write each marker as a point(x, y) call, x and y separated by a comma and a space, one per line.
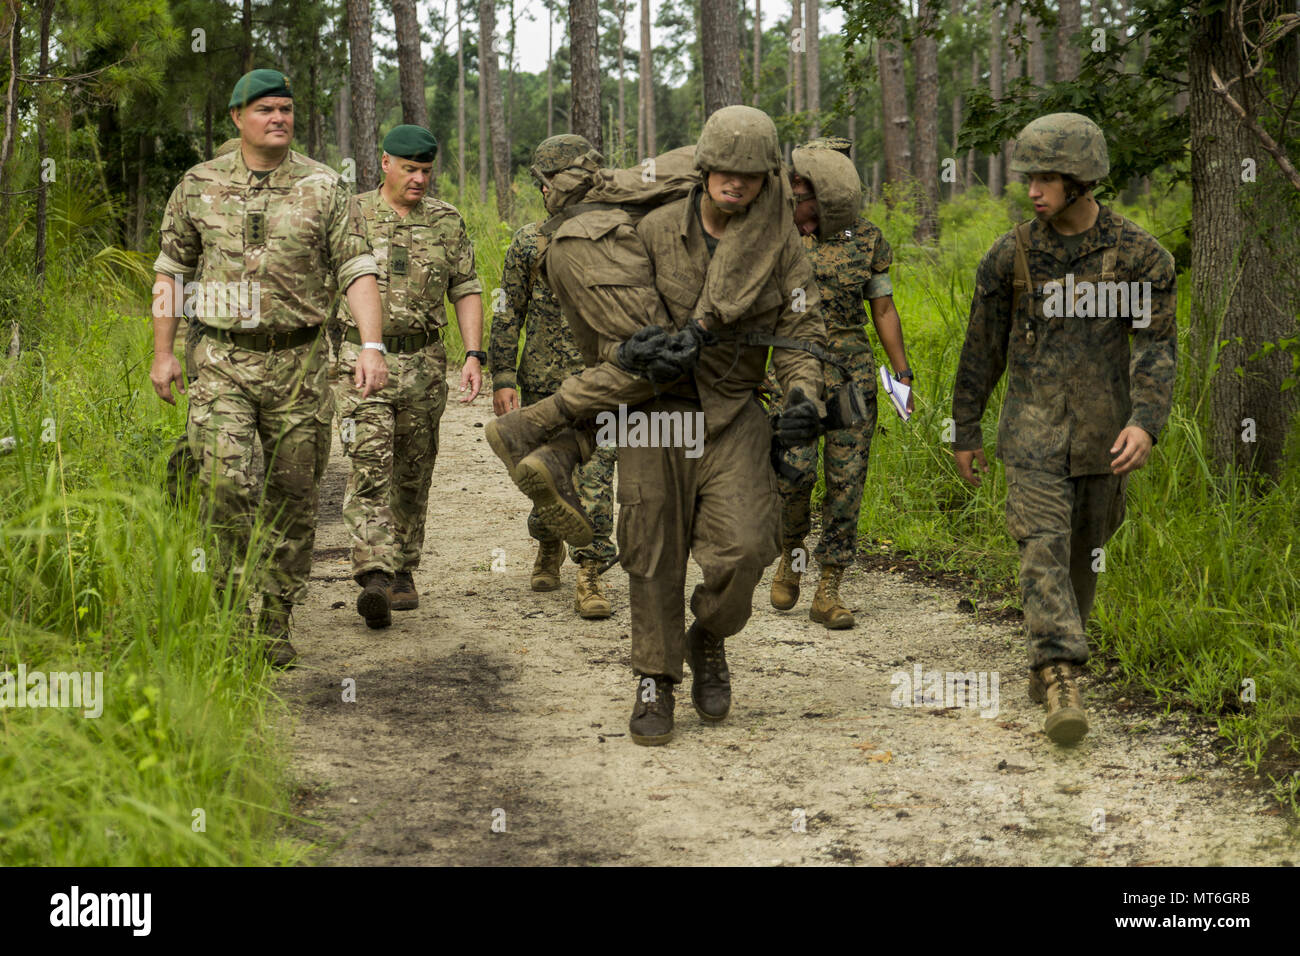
point(710, 679)
point(826, 606)
point(402, 596)
point(374, 604)
point(652, 713)
point(785, 586)
point(546, 476)
point(273, 624)
point(546, 566)
point(1057, 685)
point(517, 434)
point(590, 601)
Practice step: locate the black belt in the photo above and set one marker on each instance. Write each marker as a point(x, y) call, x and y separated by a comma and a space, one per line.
point(394, 343)
point(262, 341)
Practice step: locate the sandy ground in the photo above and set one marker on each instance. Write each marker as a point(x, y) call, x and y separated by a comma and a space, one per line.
point(490, 727)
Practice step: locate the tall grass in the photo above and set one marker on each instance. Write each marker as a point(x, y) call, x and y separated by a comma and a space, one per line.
point(99, 573)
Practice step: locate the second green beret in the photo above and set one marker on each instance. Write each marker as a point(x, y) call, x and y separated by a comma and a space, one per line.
point(411, 142)
point(259, 83)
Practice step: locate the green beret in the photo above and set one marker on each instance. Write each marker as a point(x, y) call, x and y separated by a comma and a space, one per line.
point(257, 84)
point(411, 142)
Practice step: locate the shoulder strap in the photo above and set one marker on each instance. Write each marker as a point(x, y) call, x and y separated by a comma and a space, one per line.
point(776, 341)
point(1021, 284)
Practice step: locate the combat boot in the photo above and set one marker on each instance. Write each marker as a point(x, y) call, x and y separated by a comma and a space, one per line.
point(374, 604)
point(710, 679)
point(1057, 685)
point(826, 606)
point(546, 567)
point(402, 595)
point(590, 601)
point(546, 476)
point(652, 713)
point(273, 624)
point(785, 586)
point(517, 434)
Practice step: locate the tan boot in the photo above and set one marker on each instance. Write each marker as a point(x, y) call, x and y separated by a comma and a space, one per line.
point(826, 606)
point(785, 586)
point(1057, 685)
point(590, 601)
point(546, 567)
point(546, 476)
point(513, 436)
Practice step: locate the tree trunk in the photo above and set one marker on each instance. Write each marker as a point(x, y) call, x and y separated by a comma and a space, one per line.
point(758, 48)
point(1069, 22)
point(1037, 53)
point(798, 46)
point(42, 148)
point(720, 53)
point(813, 64)
point(11, 108)
point(648, 81)
point(974, 82)
point(1015, 65)
point(1243, 284)
point(460, 101)
point(364, 129)
point(410, 65)
point(491, 79)
point(550, 80)
point(622, 38)
point(246, 42)
point(484, 144)
point(510, 87)
point(995, 88)
point(925, 53)
point(893, 102)
point(585, 68)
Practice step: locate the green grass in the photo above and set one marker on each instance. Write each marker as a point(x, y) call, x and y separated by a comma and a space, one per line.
point(97, 574)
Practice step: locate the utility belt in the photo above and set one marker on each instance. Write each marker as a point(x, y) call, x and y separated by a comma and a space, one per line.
point(400, 344)
point(264, 341)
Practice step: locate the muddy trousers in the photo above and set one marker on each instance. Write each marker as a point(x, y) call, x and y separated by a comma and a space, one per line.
point(391, 440)
point(280, 397)
point(1062, 525)
point(594, 481)
point(722, 507)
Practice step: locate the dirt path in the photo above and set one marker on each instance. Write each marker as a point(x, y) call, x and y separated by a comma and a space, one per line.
point(491, 703)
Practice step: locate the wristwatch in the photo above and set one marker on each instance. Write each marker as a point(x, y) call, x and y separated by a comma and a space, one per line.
point(481, 356)
point(905, 373)
point(375, 345)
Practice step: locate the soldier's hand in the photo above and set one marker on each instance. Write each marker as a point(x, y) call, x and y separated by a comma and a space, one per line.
point(505, 400)
point(165, 370)
point(965, 463)
point(1133, 445)
point(372, 372)
point(798, 423)
point(471, 377)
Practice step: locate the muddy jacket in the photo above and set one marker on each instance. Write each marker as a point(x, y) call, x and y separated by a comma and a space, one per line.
point(290, 239)
point(788, 305)
point(527, 305)
point(421, 257)
point(1074, 383)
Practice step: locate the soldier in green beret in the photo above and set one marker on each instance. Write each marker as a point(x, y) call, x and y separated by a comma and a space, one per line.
point(423, 255)
point(274, 235)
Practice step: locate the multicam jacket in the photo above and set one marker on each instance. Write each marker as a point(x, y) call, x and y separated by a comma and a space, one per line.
point(272, 251)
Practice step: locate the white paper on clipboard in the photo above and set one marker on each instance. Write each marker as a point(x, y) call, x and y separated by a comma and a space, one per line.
point(897, 392)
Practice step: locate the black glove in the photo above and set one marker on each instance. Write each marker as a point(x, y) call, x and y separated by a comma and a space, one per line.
point(644, 354)
point(798, 423)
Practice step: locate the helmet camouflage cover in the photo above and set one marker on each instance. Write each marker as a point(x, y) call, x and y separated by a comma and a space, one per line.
point(560, 152)
point(738, 139)
point(837, 143)
point(1067, 143)
point(835, 181)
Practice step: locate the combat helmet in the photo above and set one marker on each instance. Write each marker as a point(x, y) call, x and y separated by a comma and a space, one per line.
point(1065, 143)
point(560, 152)
point(838, 143)
point(835, 181)
point(738, 139)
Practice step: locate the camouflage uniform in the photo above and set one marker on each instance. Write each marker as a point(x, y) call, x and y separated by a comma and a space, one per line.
point(391, 437)
point(1073, 384)
point(850, 267)
point(296, 234)
point(549, 357)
